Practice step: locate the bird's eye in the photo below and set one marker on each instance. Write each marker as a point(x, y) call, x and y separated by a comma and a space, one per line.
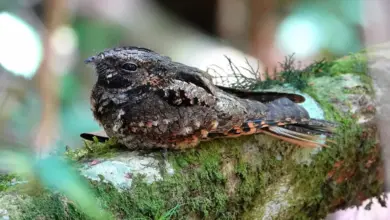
point(129, 67)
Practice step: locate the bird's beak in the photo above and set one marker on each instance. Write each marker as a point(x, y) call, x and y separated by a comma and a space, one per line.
point(90, 60)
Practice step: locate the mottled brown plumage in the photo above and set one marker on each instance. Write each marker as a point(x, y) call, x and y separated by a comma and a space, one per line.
point(147, 101)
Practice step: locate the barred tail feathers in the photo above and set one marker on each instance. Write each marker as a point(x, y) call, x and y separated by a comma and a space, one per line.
point(287, 121)
point(292, 122)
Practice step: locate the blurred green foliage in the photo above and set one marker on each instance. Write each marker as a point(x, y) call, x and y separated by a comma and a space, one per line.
point(96, 35)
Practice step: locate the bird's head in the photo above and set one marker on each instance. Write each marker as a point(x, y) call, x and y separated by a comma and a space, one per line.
point(130, 67)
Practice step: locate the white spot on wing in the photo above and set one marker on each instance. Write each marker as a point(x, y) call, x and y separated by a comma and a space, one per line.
point(118, 123)
point(120, 113)
point(186, 131)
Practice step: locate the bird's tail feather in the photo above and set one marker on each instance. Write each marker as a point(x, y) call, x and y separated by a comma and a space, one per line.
point(294, 140)
point(288, 121)
point(306, 136)
point(310, 133)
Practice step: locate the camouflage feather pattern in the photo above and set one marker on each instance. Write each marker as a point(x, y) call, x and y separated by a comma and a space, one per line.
point(147, 101)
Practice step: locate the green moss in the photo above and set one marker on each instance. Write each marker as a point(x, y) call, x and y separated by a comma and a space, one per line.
point(314, 194)
point(199, 186)
point(318, 194)
point(5, 180)
point(355, 63)
point(93, 149)
point(356, 90)
point(356, 146)
point(51, 206)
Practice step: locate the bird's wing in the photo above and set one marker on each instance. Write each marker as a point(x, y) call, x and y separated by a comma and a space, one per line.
point(197, 77)
point(189, 86)
point(182, 93)
point(262, 96)
point(204, 80)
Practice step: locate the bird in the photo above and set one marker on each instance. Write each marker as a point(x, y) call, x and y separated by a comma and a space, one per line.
point(145, 100)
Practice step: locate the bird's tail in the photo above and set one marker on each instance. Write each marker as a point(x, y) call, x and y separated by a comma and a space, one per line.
point(310, 133)
point(289, 122)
